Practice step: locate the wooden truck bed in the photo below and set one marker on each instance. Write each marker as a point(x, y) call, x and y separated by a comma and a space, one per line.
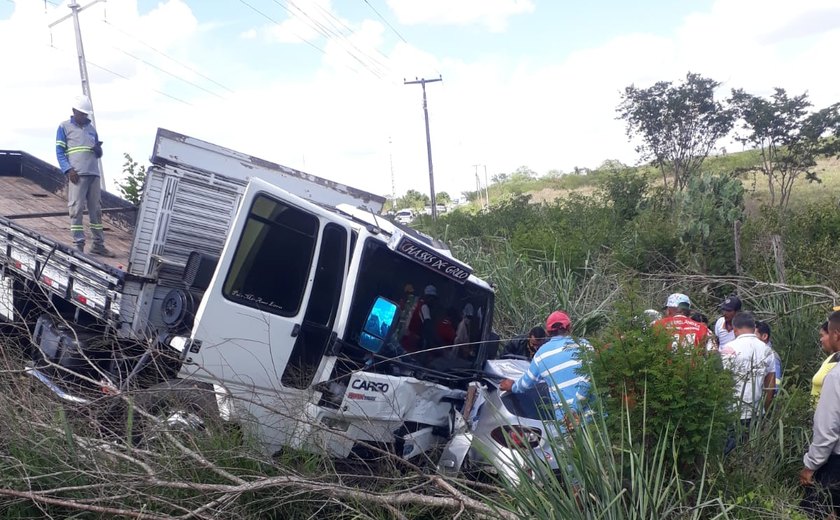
point(36, 208)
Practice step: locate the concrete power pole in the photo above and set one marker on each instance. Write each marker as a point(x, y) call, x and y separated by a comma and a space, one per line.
point(393, 180)
point(486, 186)
point(422, 82)
point(75, 9)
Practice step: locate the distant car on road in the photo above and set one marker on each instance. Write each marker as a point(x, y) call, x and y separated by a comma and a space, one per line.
point(441, 209)
point(404, 216)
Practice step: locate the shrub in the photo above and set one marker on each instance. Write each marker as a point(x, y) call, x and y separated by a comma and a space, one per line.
point(706, 212)
point(684, 392)
point(626, 191)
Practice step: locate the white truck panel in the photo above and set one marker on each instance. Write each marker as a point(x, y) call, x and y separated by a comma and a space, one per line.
point(180, 150)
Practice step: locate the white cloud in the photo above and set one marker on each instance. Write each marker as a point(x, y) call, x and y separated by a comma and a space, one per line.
point(493, 14)
point(502, 111)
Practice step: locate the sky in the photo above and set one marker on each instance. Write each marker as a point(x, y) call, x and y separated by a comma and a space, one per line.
point(318, 85)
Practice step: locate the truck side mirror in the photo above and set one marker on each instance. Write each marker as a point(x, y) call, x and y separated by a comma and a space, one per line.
point(378, 324)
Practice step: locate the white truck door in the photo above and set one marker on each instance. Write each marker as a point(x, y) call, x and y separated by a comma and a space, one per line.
point(266, 320)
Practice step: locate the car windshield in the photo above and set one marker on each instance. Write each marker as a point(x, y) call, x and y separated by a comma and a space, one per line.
point(432, 311)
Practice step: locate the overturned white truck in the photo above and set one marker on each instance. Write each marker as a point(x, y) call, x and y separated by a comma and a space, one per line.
point(283, 298)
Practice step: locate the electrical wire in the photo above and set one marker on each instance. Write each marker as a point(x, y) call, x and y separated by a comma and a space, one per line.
point(336, 32)
point(319, 28)
point(123, 76)
point(272, 20)
point(400, 36)
point(335, 19)
point(152, 65)
point(161, 69)
point(393, 29)
point(167, 56)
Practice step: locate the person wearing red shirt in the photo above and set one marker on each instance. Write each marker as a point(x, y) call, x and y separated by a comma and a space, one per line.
point(686, 331)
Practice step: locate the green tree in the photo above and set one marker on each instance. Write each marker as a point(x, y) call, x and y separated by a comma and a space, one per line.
point(470, 196)
point(613, 165)
point(498, 178)
point(678, 125)
point(443, 198)
point(412, 199)
point(523, 173)
point(788, 136)
point(131, 187)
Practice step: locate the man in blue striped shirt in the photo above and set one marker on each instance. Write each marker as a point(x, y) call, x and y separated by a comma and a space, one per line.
point(558, 364)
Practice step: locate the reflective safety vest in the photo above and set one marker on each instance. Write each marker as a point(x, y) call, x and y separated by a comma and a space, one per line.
point(74, 148)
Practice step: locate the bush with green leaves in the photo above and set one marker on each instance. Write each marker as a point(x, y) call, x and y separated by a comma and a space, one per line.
point(131, 187)
point(626, 191)
point(685, 392)
point(706, 212)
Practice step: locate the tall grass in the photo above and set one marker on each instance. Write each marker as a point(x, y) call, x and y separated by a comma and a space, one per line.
point(606, 474)
point(528, 290)
point(614, 477)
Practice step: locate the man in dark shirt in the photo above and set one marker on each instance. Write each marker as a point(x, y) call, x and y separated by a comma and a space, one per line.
point(525, 346)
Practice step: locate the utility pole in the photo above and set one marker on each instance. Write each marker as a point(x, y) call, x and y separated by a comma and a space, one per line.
point(478, 185)
point(393, 181)
point(422, 82)
point(75, 9)
point(486, 186)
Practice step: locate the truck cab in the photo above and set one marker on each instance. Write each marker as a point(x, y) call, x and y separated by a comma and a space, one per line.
point(315, 313)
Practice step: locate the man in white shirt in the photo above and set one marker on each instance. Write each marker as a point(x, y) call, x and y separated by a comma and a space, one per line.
point(751, 362)
point(723, 326)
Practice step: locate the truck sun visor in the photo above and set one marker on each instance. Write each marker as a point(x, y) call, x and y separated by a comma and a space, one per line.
point(429, 257)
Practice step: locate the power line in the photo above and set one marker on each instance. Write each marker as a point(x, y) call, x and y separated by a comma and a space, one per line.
point(167, 56)
point(393, 29)
point(145, 62)
point(325, 32)
point(272, 20)
point(400, 36)
point(123, 76)
point(334, 21)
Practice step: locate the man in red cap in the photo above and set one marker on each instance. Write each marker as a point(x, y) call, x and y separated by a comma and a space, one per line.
point(558, 364)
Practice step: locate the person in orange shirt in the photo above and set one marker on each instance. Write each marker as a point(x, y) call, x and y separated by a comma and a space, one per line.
point(686, 331)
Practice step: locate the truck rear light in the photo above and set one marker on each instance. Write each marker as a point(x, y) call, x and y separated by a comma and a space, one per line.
point(18, 265)
point(516, 436)
point(81, 299)
point(47, 280)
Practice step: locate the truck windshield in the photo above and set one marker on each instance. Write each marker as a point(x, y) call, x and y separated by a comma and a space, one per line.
point(441, 323)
